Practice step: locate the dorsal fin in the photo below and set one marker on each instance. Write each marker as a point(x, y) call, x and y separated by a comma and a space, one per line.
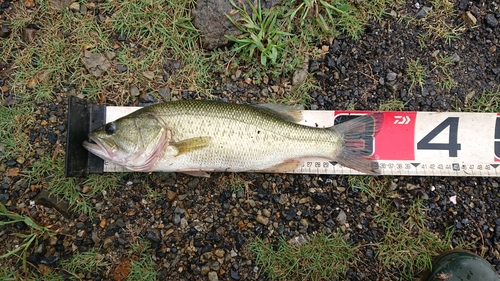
point(286, 112)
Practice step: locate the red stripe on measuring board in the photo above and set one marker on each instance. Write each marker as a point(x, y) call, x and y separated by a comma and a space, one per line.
point(397, 129)
point(408, 143)
point(437, 143)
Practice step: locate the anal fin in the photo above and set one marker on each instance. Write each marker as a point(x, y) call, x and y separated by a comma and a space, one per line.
point(285, 166)
point(195, 173)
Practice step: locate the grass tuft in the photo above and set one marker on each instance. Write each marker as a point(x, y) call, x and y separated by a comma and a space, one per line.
point(407, 245)
point(142, 263)
point(443, 68)
point(261, 36)
point(321, 257)
point(487, 101)
point(417, 73)
point(50, 173)
point(28, 240)
point(14, 120)
point(84, 263)
point(391, 105)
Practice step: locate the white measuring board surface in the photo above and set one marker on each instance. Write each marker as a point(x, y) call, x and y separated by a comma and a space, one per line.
point(408, 143)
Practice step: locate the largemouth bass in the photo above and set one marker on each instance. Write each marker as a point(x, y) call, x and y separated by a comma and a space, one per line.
point(196, 137)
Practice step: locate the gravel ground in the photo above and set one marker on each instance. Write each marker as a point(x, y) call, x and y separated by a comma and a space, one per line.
point(199, 229)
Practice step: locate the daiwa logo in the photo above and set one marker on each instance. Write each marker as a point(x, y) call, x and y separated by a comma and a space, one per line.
point(402, 120)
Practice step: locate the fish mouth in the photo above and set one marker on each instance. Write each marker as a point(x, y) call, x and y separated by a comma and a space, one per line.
point(98, 148)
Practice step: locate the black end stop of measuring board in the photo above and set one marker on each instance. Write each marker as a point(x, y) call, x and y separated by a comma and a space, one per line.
point(83, 117)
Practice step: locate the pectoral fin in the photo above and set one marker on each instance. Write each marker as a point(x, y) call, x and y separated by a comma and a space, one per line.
point(190, 145)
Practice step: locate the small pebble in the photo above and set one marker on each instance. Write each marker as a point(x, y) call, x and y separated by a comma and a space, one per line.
point(75, 7)
point(262, 220)
point(391, 76)
point(490, 20)
point(212, 276)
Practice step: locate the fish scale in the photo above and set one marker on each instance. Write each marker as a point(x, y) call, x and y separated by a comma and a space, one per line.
point(241, 136)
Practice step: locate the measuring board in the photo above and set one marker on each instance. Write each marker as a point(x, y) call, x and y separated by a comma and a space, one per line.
point(408, 143)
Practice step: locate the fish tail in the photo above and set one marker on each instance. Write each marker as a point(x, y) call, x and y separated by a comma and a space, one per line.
point(358, 142)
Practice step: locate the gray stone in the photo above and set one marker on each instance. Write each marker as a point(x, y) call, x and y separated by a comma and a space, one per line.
point(391, 76)
point(97, 64)
point(423, 12)
point(469, 18)
point(4, 197)
point(153, 235)
point(176, 219)
point(120, 223)
point(95, 238)
point(164, 93)
point(490, 20)
point(108, 242)
point(212, 276)
point(342, 217)
point(210, 18)
point(134, 91)
point(463, 5)
point(299, 76)
point(215, 266)
point(193, 183)
point(41, 249)
point(455, 57)
point(60, 4)
point(74, 7)
point(83, 9)
point(121, 68)
point(266, 213)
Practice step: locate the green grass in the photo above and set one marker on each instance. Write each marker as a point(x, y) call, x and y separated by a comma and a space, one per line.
point(14, 120)
point(366, 184)
point(339, 14)
point(444, 72)
point(487, 101)
point(391, 105)
point(50, 173)
point(407, 245)
point(417, 73)
point(170, 36)
point(29, 240)
point(49, 61)
point(300, 94)
point(8, 274)
point(142, 266)
point(151, 193)
point(235, 182)
point(81, 264)
point(438, 24)
point(261, 36)
point(321, 257)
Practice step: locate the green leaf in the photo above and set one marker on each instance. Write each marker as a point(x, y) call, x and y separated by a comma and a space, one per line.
point(257, 42)
point(274, 54)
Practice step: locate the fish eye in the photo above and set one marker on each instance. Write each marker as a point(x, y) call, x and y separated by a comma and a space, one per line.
point(110, 128)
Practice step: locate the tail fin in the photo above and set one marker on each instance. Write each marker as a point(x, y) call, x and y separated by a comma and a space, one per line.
point(358, 142)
